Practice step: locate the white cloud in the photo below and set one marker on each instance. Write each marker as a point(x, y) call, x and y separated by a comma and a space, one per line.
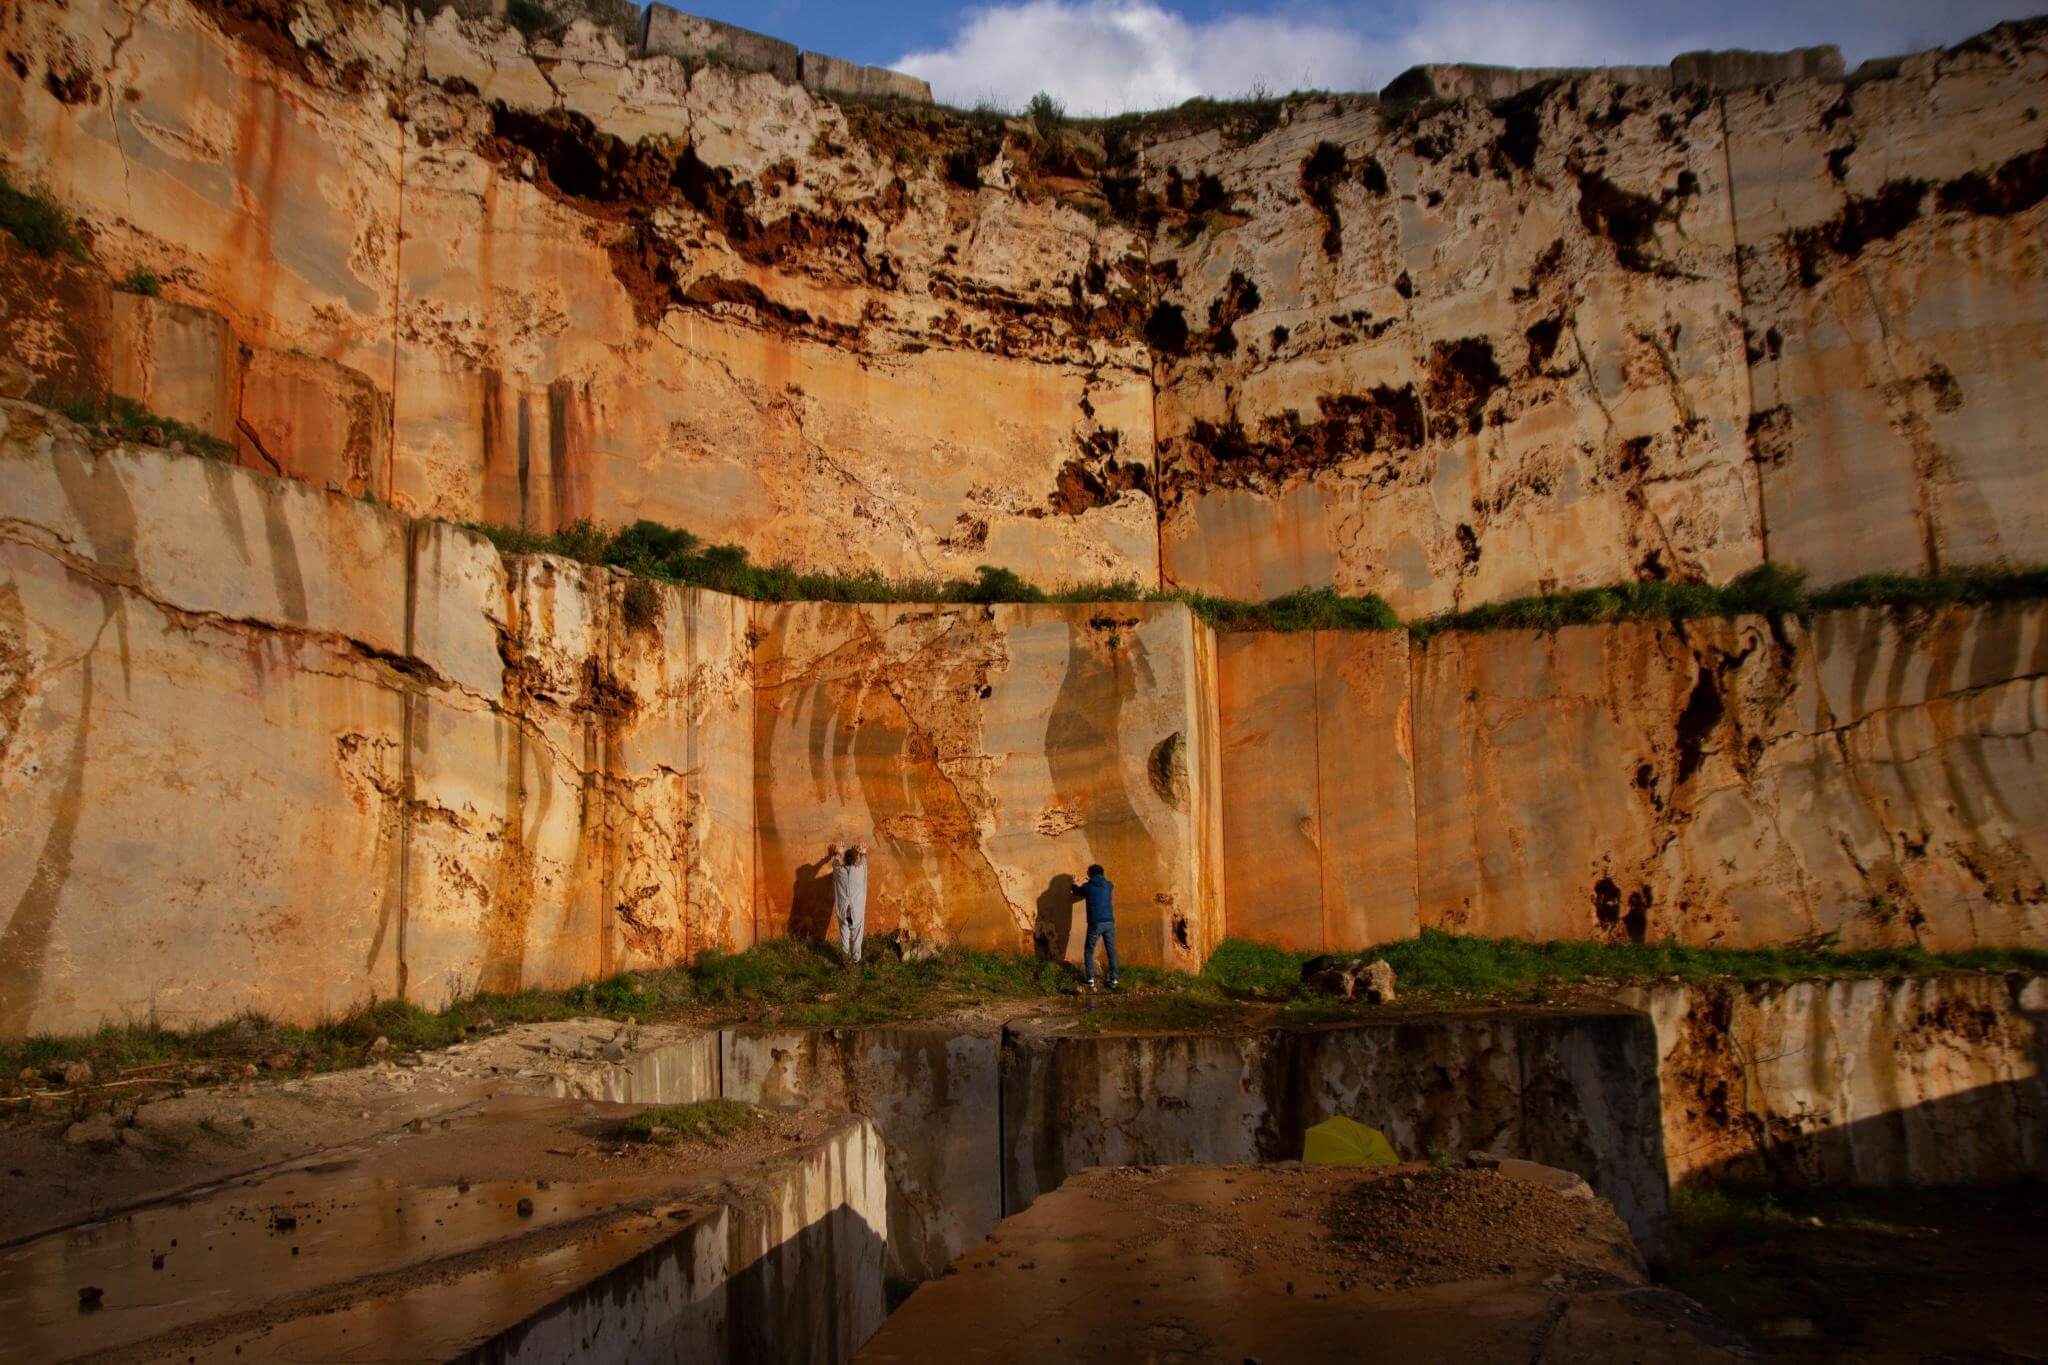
point(1101, 56)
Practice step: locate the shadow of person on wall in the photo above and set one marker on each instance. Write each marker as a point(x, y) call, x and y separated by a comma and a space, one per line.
point(1053, 930)
point(810, 901)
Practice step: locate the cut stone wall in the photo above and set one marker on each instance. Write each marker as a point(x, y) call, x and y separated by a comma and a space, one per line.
point(277, 749)
point(934, 1096)
point(1869, 775)
point(987, 755)
point(1318, 757)
point(561, 283)
point(1501, 332)
point(1505, 332)
point(1574, 1091)
point(1924, 1081)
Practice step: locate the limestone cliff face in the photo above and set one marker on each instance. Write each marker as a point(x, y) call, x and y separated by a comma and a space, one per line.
point(1935, 1081)
point(568, 284)
point(268, 747)
point(1609, 325)
point(1604, 325)
point(1598, 330)
point(1867, 775)
point(263, 747)
point(987, 756)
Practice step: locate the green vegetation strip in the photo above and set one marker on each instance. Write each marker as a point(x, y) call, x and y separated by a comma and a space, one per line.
point(671, 555)
point(801, 983)
point(698, 1121)
point(117, 418)
point(33, 217)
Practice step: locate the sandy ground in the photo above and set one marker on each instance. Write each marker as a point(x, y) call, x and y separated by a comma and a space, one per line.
point(1282, 1263)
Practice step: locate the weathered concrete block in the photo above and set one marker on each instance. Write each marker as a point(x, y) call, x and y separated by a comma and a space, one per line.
point(670, 32)
point(836, 76)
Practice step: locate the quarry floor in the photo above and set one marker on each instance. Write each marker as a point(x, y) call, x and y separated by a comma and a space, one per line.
point(1900, 1275)
point(1875, 1275)
point(1513, 1262)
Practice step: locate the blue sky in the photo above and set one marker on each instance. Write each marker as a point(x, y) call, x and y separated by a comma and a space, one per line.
point(1103, 55)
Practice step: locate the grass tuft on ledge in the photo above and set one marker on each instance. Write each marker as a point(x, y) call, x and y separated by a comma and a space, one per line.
point(698, 1121)
point(672, 555)
point(119, 418)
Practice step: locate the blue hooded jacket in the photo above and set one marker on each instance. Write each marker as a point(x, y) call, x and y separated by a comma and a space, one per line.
point(1096, 891)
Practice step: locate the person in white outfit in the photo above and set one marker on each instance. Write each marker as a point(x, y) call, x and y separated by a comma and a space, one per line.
point(850, 898)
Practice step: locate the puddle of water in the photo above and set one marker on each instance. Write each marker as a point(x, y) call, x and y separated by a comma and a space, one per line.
point(174, 1265)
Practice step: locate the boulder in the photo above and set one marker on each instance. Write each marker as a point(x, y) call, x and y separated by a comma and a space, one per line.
point(95, 1132)
point(1350, 979)
point(73, 1074)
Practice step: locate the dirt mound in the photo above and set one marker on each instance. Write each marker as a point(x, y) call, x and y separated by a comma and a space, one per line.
point(1435, 1226)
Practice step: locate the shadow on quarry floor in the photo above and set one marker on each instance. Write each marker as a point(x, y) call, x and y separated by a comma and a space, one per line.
point(1883, 1275)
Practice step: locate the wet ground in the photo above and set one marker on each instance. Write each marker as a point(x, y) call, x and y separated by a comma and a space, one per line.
point(1281, 1263)
point(489, 1213)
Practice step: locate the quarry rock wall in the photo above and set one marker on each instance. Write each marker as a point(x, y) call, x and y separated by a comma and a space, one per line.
point(565, 283)
point(1607, 328)
point(1571, 1090)
point(987, 755)
point(273, 748)
point(1926, 1080)
point(1866, 774)
point(1491, 333)
point(935, 1097)
point(1601, 325)
point(269, 747)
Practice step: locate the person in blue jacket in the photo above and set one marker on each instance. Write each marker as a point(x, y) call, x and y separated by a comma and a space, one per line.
point(1097, 890)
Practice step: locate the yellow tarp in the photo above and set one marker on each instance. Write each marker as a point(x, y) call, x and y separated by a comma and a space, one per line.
point(1347, 1142)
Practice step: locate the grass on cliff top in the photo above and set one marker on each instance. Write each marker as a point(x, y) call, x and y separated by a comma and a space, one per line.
point(671, 555)
point(1435, 962)
point(800, 983)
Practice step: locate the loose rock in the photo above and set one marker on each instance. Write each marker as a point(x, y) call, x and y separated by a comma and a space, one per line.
point(96, 1132)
